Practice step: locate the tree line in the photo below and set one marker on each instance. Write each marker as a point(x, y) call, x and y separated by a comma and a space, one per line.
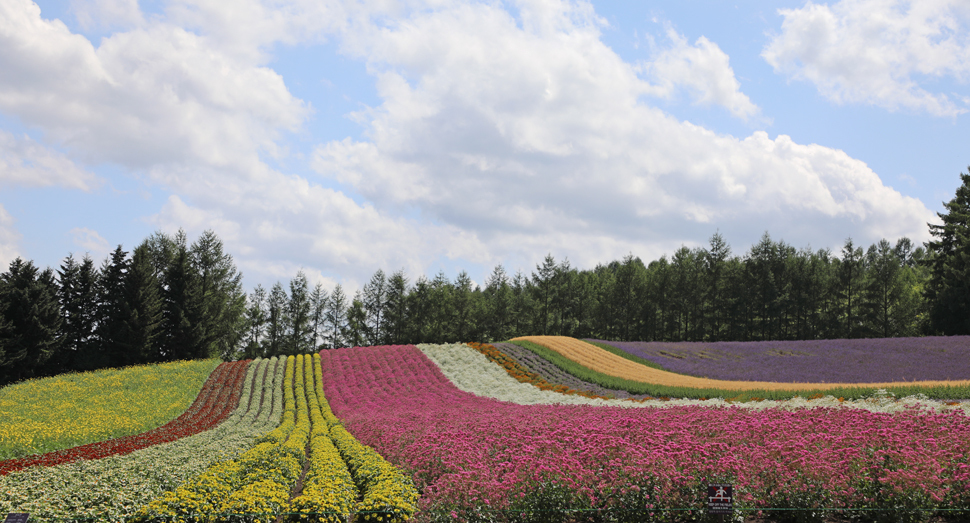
point(165, 300)
point(168, 300)
point(772, 292)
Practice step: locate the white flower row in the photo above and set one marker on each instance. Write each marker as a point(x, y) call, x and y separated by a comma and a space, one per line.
point(472, 372)
point(110, 488)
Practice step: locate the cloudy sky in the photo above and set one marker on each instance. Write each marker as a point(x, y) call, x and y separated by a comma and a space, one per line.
point(340, 137)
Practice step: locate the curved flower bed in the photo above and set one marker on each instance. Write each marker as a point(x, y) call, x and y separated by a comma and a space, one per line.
point(59, 412)
point(477, 459)
point(553, 374)
point(606, 362)
point(848, 361)
point(112, 488)
point(218, 398)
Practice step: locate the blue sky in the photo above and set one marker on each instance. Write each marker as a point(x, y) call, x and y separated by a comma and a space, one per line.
point(339, 137)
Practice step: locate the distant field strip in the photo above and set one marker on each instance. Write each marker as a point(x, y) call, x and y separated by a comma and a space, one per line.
point(600, 360)
point(47, 414)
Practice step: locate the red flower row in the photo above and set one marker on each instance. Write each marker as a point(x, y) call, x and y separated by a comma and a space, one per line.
point(218, 398)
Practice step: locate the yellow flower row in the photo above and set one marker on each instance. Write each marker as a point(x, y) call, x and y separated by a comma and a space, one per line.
point(389, 495)
point(260, 481)
point(328, 488)
point(257, 482)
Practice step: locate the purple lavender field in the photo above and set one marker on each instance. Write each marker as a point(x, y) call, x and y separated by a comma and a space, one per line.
point(846, 361)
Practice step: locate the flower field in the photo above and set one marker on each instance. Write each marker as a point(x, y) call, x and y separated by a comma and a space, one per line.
point(478, 459)
point(498, 433)
point(114, 487)
point(848, 361)
point(49, 414)
point(218, 398)
point(602, 361)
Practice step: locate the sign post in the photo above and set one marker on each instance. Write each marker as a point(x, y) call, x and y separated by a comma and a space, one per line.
point(16, 517)
point(720, 499)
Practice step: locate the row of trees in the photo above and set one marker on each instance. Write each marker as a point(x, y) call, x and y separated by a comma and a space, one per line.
point(165, 300)
point(772, 292)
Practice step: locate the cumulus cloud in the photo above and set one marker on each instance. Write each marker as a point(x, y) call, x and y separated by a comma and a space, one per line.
point(151, 95)
point(536, 137)
point(26, 163)
point(90, 241)
point(703, 70)
point(9, 239)
point(102, 14)
point(886, 53)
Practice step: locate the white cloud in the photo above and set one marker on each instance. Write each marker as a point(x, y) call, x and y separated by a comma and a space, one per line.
point(96, 14)
point(9, 240)
point(24, 162)
point(886, 53)
point(703, 69)
point(90, 241)
point(537, 140)
point(151, 95)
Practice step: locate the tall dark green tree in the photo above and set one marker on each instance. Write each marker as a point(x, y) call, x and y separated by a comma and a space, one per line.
point(336, 318)
point(374, 299)
point(850, 271)
point(277, 321)
point(221, 300)
point(355, 328)
point(110, 331)
point(78, 296)
point(182, 336)
point(498, 304)
point(948, 290)
point(256, 317)
point(141, 312)
point(300, 333)
point(397, 315)
point(30, 324)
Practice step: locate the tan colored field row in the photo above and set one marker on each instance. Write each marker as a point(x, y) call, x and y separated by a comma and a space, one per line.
point(600, 360)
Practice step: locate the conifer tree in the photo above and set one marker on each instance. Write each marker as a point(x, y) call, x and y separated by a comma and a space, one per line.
point(111, 349)
point(141, 311)
point(948, 291)
point(78, 287)
point(30, 327)
point(300, 314)
point(181, 337)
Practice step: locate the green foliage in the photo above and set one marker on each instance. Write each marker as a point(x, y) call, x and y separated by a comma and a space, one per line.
point(30, 320)
point(948, 290)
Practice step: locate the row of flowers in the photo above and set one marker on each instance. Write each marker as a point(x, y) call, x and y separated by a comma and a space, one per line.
point(477, 459)
point(218, 398)
point(262, 483)
point(258, 481)
point(47, 414)
point(113, 488)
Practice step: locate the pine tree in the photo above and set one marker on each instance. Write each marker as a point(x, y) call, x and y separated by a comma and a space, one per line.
point(355, 331)
point(111, 350)
point(141, 311)
point(374, 299)
point(319, 299)
point(221, 300)
point(948, 291)
point(256, 317)
point(336, 318)
point(31, 321)
point(300, 314)
point(181, 310)
point(276, 322)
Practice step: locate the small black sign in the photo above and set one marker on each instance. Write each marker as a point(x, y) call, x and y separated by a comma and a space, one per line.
point(720, 499)
point(16, 517)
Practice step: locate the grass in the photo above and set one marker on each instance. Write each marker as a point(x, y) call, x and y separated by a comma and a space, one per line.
point(663, 391)
point(47, 414)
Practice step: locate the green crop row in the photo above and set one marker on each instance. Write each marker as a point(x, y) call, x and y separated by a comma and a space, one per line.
point(663, 391)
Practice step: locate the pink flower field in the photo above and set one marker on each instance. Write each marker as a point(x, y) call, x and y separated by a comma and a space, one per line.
point(478, 459)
